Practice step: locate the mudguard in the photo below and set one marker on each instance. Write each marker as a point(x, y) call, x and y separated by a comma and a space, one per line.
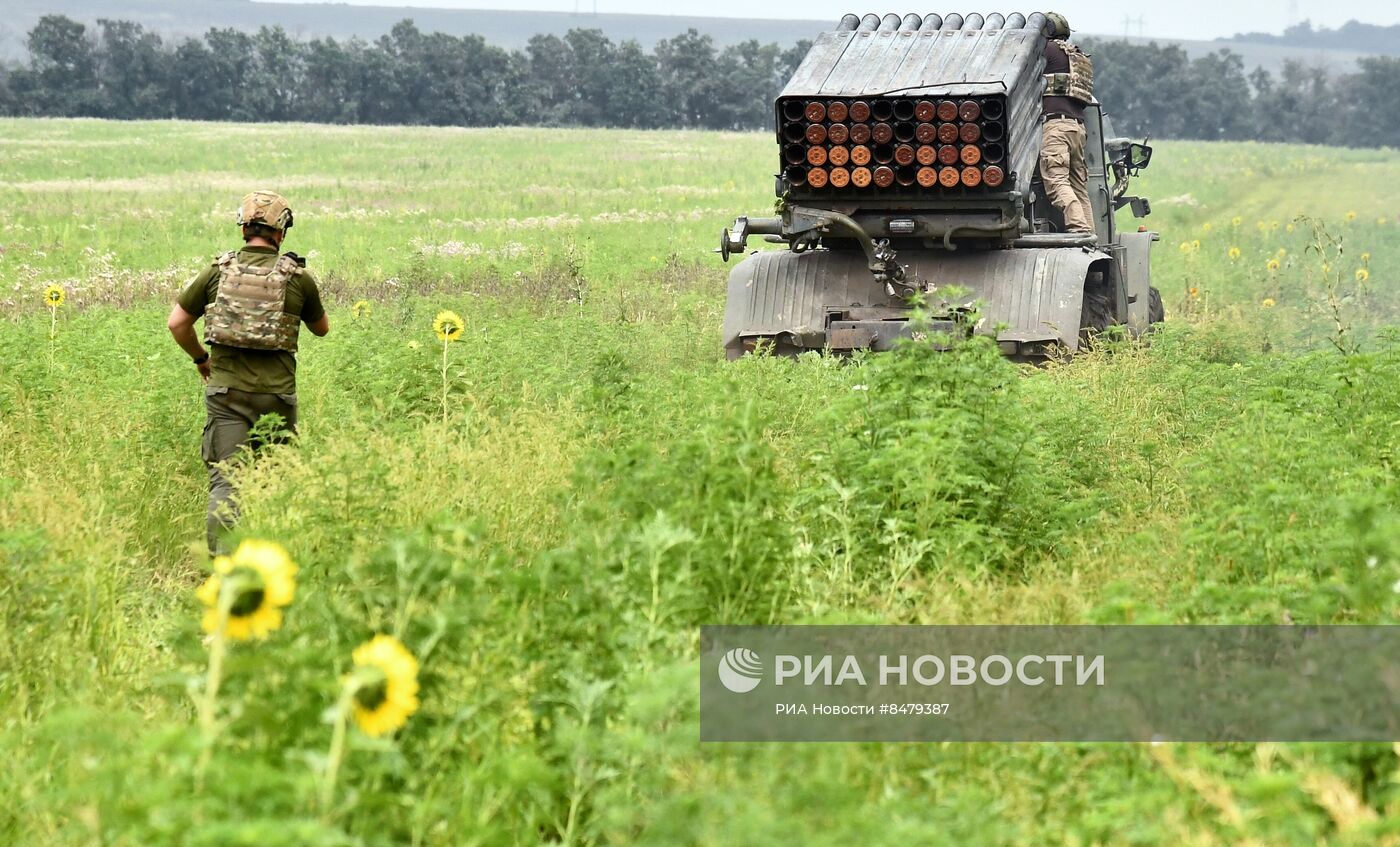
point(1027, 297)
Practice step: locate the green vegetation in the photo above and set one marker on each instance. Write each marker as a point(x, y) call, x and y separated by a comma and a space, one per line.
point(411, 75)
point(604, 484)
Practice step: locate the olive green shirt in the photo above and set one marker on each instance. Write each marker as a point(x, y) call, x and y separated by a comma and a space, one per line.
point(258, 371)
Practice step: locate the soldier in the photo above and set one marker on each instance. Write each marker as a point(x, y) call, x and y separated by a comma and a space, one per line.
point(253, 302)
point(1069, 87)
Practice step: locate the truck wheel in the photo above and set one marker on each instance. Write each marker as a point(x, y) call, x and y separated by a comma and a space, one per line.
point(1096, 315)
point(1156, 312)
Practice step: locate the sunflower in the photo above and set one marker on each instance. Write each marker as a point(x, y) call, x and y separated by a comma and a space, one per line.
point(1268, 303)
point(54, 296)
point(448, 326)
point(1351, 216)
point(360, 309)
point(1235, 254)
point(263, 579)
point(1236, 221)
point(1362, 274)
point(1366, 258)
point(1273, 265)
point(387, 689)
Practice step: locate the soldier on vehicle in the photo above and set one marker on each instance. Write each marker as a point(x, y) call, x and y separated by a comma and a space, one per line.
point(1069, 87)
point(253, 302)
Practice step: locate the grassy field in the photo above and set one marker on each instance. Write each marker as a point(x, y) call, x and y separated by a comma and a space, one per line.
point(601, 483)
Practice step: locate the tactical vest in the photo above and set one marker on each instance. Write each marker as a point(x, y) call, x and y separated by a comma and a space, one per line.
point(248, 309)
point(1078, 83)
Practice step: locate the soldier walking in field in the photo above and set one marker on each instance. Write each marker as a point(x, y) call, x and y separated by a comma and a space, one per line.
point(253, 302)
point(1069, 87)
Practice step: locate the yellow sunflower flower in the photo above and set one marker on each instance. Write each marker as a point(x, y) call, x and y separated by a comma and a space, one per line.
point(54, 296)
point(387, 689)
point(1236, 221)
point(1351, 216)
point(1268, 303)
point(1207, 227)
point(1185, 247)
point(1273, 265)
point(448, 326)
point(1194, 292)
point(1235, 254)
point(360, 309)
point(1365, 258)
point(1281, 252)
point(1362, 274)
point(263, 578)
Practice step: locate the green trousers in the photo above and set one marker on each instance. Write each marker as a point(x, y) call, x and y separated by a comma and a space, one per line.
point(228, 429)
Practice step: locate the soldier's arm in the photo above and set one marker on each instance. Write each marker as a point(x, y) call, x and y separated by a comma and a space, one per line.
point(181, 326)
point(312, 312)
point(184, 313)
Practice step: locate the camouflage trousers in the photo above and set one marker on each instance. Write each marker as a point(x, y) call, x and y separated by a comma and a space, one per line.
point(1065, 173)
point(228, 429)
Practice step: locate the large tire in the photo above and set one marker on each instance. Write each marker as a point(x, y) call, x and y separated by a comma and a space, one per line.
point(1096, 315)
point(1156, 311)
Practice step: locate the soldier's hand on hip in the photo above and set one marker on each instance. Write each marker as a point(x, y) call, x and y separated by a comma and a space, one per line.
point(203, 366)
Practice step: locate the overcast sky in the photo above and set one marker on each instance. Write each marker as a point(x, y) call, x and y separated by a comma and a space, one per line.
point(1196, 19)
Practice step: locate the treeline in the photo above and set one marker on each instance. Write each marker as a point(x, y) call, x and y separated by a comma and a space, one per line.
point(120, 70)
point(1159, 91)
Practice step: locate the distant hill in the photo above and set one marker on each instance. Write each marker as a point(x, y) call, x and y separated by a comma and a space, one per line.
point(1352, 35)
point(508, 28)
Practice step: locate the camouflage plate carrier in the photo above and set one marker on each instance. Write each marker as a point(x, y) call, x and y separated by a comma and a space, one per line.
point(248, 309)
point(1078, 83)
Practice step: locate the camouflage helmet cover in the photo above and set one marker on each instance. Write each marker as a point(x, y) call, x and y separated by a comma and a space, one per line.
point(267, 208)
point(1057, 25)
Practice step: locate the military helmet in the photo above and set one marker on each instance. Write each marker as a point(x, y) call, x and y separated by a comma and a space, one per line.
point(267, 208)
point(1057, 24)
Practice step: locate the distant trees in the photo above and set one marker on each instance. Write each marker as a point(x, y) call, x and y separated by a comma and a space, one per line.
point(1158, 90)
point(120, 70)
